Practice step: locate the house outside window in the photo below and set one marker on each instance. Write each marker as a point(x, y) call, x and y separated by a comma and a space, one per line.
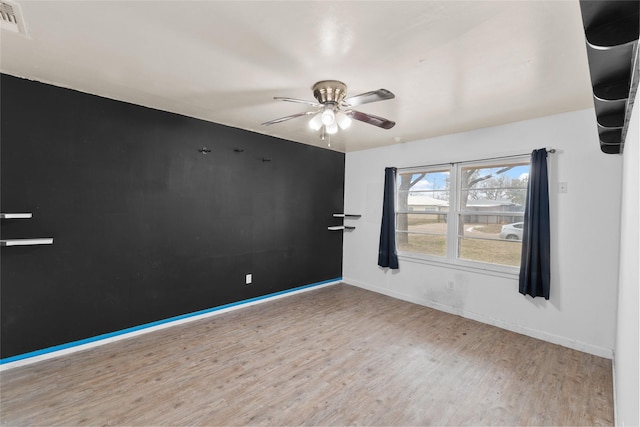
point(463, 213)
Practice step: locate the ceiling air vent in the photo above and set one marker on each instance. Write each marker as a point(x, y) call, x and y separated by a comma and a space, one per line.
point(11, 18)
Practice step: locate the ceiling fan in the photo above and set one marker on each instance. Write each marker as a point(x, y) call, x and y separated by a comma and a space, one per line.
point(333, 110)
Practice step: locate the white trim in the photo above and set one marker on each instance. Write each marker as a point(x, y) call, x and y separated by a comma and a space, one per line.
point(534, 333)
point(100, 342)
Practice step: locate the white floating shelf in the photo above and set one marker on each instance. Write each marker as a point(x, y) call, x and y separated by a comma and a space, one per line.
point(342, 215)
point(27, 242)
point(15, 215)
point(340, 227)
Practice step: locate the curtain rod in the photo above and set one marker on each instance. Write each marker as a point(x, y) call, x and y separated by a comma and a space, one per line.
point(549, 150)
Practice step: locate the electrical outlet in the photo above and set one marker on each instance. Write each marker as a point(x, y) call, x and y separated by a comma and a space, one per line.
point(248, 279)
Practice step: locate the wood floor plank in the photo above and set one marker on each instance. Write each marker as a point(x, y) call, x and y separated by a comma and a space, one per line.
point(338, 355)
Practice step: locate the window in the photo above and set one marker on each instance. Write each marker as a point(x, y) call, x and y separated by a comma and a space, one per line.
point(463, 213)
point(422, 210)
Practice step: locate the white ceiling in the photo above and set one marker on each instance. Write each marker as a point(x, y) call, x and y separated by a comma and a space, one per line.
point(453, 65)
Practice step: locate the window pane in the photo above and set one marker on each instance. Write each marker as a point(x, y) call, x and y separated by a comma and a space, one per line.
point(494, 187)
point(423, 191)
point(430, 223)
point(496, 227)
point(490, 212)
point(422, 233)
point(430, 244)
point(505, 252)
point(423, 204)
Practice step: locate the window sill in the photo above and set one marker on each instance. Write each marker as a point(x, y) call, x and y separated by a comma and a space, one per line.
point(497, 271)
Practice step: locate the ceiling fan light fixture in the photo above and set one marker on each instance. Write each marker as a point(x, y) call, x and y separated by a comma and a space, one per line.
point(332, 128)
point(343, 120)
point(328, 116)
point(316, 122)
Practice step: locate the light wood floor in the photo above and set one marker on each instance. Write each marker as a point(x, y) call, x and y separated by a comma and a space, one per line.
point(333, 356)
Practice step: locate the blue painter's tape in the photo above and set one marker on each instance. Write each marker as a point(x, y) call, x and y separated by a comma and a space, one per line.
point(156, 323)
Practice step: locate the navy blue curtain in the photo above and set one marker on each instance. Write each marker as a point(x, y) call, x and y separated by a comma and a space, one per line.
point(387, 254)
point(535, 273)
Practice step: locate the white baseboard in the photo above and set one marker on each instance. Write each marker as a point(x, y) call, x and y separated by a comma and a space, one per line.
point(65, 349)
point(534, 333)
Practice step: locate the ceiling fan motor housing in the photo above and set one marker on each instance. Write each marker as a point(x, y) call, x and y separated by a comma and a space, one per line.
point(329, 91)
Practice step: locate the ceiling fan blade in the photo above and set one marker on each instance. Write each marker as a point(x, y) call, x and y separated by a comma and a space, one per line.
point(284, 119)
point(381, 122)
point(365, 98)
point(299, 101)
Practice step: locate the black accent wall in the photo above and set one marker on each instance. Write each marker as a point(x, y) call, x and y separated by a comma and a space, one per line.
point(145, 226)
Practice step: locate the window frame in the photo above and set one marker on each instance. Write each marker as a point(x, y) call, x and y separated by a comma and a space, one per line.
point(452, 257)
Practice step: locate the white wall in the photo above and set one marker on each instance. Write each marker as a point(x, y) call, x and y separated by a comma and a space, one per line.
point(626, 354)
point(581, 312)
